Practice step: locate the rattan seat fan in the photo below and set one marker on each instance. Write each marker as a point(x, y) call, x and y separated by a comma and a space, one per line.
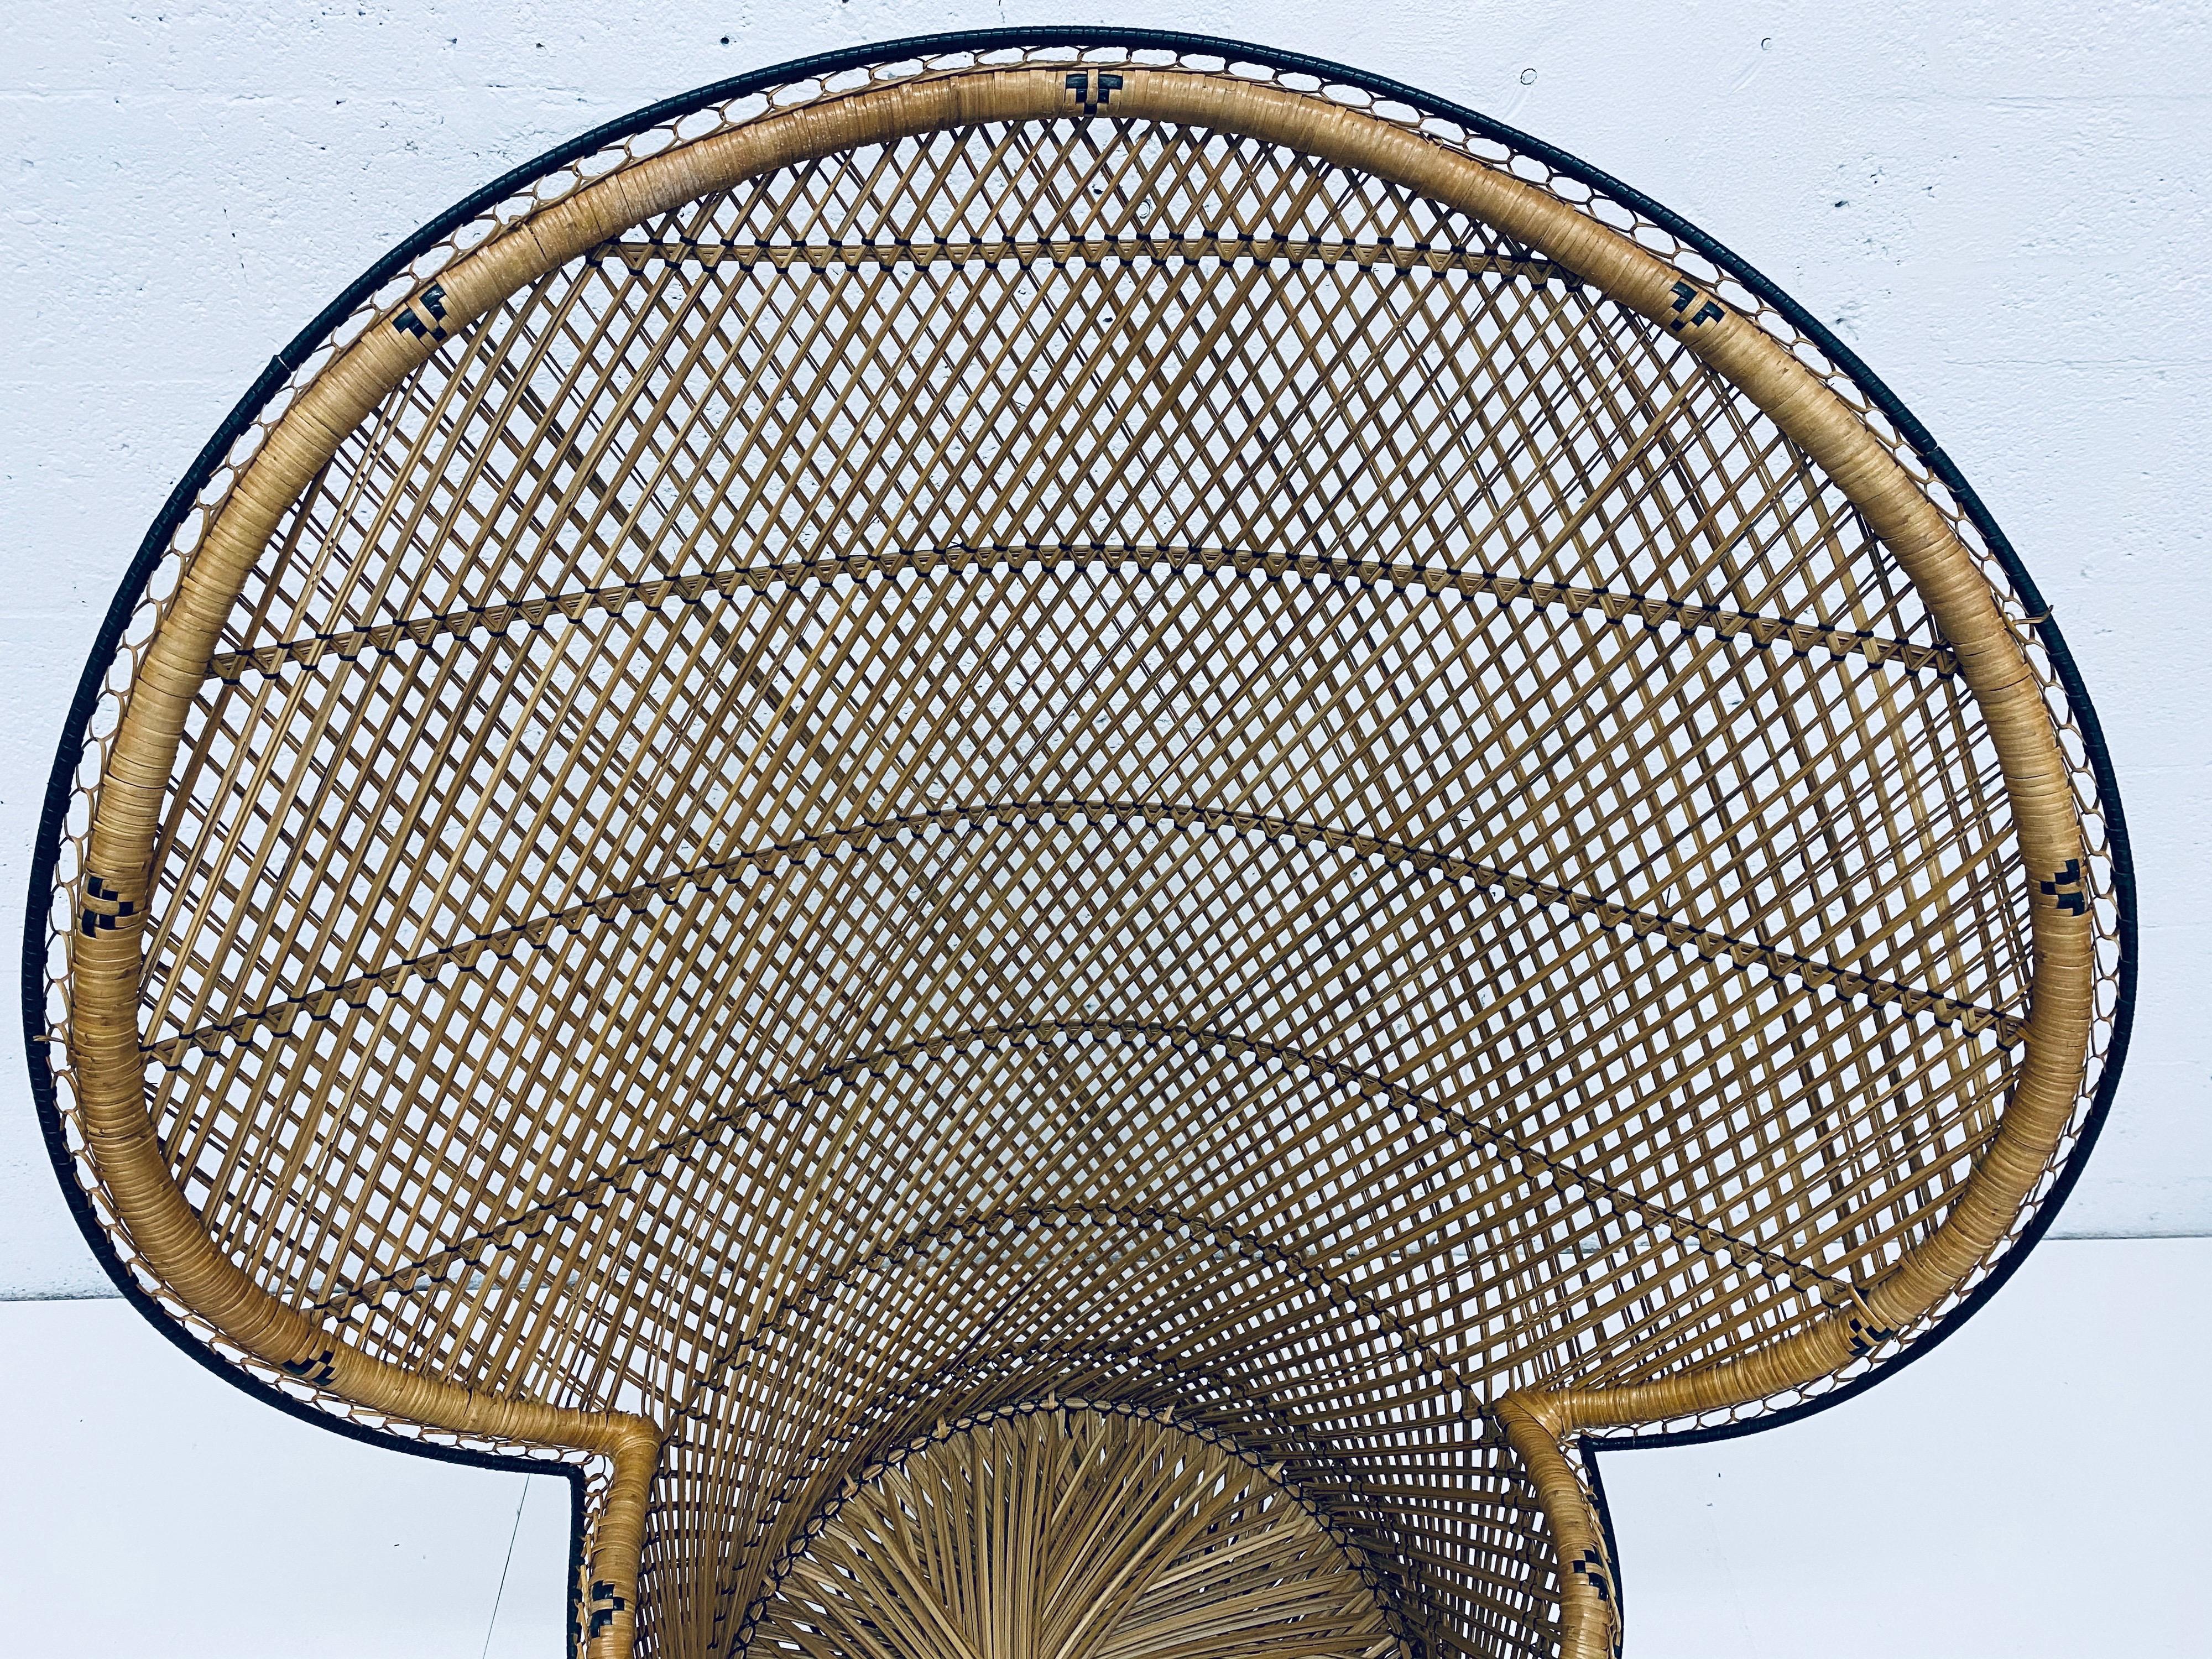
point(1060, 836)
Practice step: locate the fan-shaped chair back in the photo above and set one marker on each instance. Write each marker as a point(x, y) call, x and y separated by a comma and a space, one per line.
point(1062, 835)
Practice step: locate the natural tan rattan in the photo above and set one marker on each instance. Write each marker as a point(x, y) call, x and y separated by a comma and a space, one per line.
point(1063, 836)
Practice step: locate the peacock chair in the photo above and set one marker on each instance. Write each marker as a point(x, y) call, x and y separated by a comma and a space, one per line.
point(1064, 838)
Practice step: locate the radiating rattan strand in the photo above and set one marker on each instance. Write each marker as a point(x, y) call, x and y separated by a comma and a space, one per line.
point(637, 256)
point(280, 1018)
point(610, 1181)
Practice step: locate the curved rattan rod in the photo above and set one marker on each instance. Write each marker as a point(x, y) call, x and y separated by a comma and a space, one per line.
point(594, 1194)
point(1410, 1347)
point(1547, 1166)
point(655, 593)
point(790, 1308)
point(281, 1018)
point(1288, 1438)
point(1341, 1537)
point(718, 1377)
point(1091, 249)
point(1021, 1217)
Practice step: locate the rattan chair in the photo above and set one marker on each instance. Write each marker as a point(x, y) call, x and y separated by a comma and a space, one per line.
point(1063, 838)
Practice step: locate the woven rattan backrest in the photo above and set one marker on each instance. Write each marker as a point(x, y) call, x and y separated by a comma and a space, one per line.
point(979, 778)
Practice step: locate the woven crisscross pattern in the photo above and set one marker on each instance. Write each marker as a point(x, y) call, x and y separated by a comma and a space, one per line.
point(1085, 755)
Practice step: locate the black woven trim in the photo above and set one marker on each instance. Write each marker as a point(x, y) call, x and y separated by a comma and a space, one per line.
point(281, 367)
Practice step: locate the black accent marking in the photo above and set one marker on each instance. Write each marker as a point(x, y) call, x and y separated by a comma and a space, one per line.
point(1866, 1337)
point(105, 905)
point(1709, 309)
point(1079, 84)
point(2065, 887)
point(432, 299)
point(605, 1604)
point(1591, 1567)
point(316, 1372)
point(1588, 1448)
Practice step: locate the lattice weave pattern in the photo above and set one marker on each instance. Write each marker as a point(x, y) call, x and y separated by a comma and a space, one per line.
point(967, 737)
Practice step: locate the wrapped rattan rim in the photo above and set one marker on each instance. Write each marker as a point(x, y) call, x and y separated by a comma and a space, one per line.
point(104, 964)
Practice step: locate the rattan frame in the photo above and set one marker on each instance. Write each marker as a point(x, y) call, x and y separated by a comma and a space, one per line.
point(2054, 1120)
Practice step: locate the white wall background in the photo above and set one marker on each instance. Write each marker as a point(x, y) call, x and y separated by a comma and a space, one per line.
point(2032, 1488)
point(2003, 207)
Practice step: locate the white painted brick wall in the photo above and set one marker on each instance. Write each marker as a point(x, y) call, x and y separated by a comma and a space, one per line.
point(2002, 207)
